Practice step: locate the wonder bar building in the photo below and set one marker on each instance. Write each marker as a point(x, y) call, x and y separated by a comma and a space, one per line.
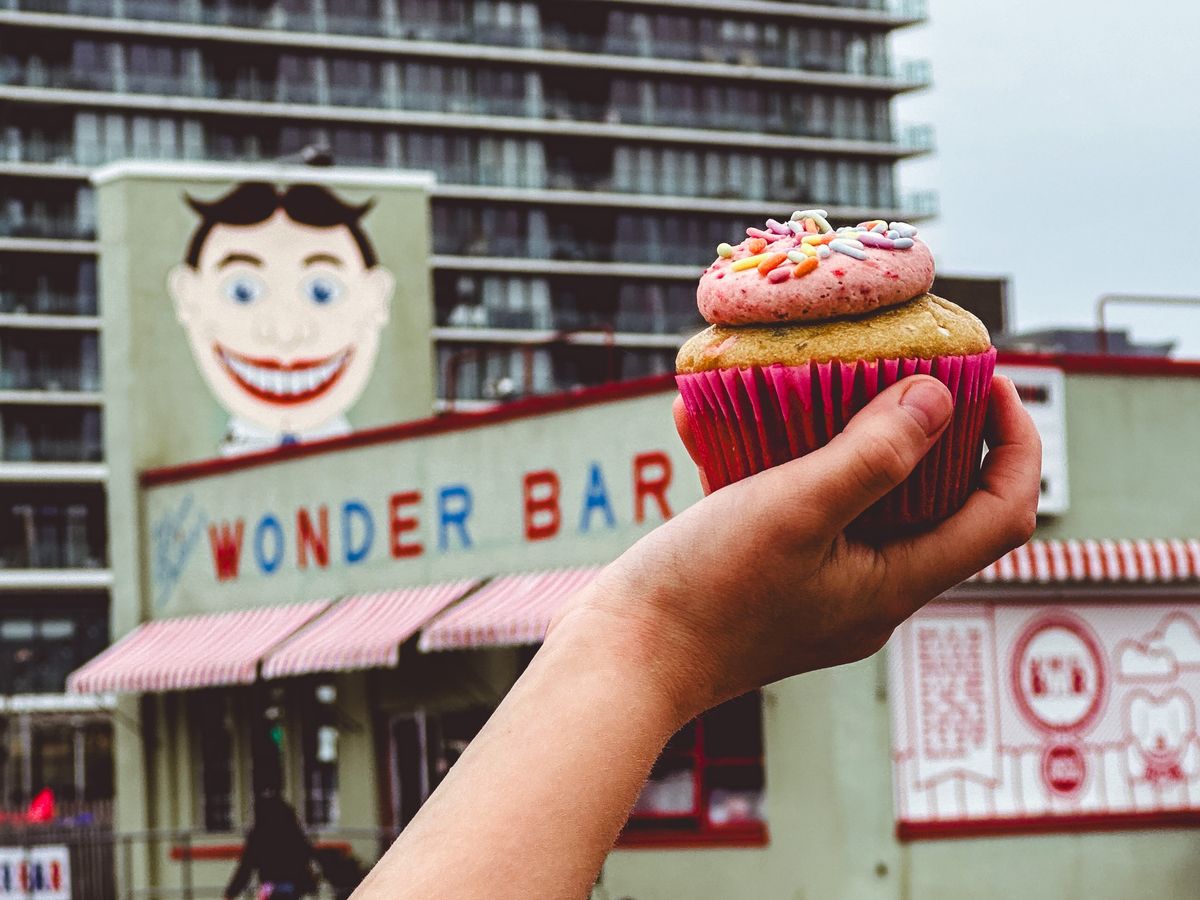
point(322, 591)
point(589, 154)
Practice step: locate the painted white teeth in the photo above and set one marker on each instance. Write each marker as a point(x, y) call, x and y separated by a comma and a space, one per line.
point(284, 382)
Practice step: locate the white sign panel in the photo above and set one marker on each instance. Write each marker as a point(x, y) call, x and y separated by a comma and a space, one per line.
point(35, 873)
point(1019, 716)
point(1042, 390)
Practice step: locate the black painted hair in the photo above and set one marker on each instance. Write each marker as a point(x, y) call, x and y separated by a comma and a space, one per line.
point(256, 201)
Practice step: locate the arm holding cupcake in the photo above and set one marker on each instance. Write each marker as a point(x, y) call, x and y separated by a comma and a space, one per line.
point(754, 583)
point(761, 580)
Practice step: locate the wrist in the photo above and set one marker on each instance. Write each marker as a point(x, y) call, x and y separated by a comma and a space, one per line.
point(635, 656)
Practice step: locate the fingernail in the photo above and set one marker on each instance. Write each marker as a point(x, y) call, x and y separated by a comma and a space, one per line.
point(929, 404)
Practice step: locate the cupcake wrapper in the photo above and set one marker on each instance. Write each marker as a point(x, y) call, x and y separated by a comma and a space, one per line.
point(748, 420)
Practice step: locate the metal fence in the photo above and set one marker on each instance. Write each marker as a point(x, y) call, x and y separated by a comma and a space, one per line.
point(95, 863)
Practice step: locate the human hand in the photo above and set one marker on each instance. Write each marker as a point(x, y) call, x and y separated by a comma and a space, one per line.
point(759, 580)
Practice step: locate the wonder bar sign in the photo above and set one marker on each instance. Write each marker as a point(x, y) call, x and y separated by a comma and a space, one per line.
point(427, 502)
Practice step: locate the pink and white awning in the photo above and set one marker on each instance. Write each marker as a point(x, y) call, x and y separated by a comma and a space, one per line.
point(363, 632)
point(1096, 561)
point(193, 651)
point(511, 610)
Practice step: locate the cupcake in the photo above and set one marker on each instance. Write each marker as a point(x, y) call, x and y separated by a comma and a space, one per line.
point(808, 324)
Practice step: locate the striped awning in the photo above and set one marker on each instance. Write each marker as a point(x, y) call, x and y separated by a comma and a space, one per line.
point(363, 632)
point(1093, 561)
point(510, 610)
point(193, 651)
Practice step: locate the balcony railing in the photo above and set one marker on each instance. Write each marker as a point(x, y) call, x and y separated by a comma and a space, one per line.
point(47, 378)
point(63, 554)
point(565, 318)
point(532, 36)
point(47, 303)
point(39, 225)
point(23, 448)
point(560, 108)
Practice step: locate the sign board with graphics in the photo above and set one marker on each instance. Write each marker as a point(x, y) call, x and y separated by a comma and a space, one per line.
point(1021, 716)
point(1043, 391)
point(35, 873)
point(248, 308)
point(560, 484)
point(263, 305)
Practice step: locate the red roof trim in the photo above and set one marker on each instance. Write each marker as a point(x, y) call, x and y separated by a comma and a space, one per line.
point(1098, 364)
point(386, 434)
point(750, 835)
point(915, 831)
point(605, 393)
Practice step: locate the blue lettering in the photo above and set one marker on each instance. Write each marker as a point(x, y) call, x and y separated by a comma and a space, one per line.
point(268, 524)
point(454, 508)
point(351, 510)
point(596, 498)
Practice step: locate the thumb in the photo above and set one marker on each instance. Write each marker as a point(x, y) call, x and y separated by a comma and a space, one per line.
point(878, 449)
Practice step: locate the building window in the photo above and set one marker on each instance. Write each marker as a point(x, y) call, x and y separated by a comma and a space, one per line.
point(69, 755)
point(214, 720)
point(39, 648)
point(321, 757)
point(707, 786)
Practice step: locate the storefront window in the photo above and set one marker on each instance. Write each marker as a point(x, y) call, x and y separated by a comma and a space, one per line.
point(215, 724)
point(321, 757)
point(424, 746)
point(707, 786)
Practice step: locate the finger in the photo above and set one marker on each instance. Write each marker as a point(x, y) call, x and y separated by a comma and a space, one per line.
point(877, 450)
point(997, 517)
point(684, 427)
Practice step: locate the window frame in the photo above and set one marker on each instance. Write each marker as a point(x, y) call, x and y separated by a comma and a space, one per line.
point(696, 828)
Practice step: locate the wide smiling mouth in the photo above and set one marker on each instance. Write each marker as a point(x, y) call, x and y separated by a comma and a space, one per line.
point(287, 383)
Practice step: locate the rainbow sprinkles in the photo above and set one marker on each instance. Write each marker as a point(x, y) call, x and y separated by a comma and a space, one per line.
point(793, 249)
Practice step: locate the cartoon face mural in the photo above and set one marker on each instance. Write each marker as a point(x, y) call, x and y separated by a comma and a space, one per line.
point(283, 300)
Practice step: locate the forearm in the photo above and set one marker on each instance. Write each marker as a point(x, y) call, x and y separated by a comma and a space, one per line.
point(535, 803)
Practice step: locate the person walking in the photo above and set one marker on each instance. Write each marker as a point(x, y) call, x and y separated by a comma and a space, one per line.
point(278, 850)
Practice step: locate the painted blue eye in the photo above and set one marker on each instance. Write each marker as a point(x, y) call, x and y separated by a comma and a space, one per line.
point(322, 289)
point(243, 289)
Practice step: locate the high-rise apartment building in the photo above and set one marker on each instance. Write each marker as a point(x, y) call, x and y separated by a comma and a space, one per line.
point(590, 154)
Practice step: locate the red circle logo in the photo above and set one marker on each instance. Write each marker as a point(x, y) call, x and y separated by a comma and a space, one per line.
point(1058, 676)
point(1064, 769)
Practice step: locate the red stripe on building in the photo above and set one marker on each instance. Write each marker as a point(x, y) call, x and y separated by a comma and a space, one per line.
point(1115, 562)
point(364, 631)
point(193, 651)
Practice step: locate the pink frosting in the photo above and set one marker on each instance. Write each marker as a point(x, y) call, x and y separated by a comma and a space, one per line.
point(840, 286)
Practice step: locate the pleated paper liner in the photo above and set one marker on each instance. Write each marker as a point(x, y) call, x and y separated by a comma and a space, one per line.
point(748, 420)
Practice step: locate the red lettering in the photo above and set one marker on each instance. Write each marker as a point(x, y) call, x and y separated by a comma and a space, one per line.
point(651, 485)
point(310, 539)
point(542, 514)
point(402, 524)
point(226, 545)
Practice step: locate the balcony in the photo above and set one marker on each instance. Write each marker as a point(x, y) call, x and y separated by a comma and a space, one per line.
point(50, 434)
point(46, 303)
point(525, 114)
point(515, 310)
point(497, 373)
point(527, 34)
point(65, 379)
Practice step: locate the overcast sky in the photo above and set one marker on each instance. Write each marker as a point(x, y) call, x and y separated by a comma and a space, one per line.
point(1068, 153)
